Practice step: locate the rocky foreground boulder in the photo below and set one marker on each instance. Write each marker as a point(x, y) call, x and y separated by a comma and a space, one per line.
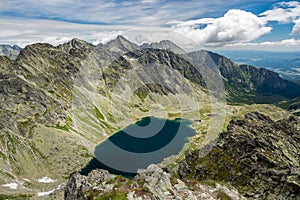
point(258, 156)
point(148, 184)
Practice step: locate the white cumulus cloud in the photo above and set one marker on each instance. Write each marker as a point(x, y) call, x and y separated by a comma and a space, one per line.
point(283, 12)
point(296, 28)
point(234, 26)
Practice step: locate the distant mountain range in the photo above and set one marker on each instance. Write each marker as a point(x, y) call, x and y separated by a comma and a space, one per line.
point(10, 51)
point(287, 64)
point(58, 102)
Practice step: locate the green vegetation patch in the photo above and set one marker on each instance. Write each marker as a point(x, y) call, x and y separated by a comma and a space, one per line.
point(223, 196)
point(98, 114)
point(16, 197)
point(115, 195)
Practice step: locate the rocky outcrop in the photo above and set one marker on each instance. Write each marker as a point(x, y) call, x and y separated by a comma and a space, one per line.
point(150, 183)
point(258, 156)
point(79, 186)
point(10, 51)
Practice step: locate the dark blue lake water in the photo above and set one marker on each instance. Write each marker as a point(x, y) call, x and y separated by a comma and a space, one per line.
point(146, 142)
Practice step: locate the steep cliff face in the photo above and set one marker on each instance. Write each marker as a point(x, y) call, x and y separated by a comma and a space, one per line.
point(157, 59)
point(248, 84)
point(41, 79)
point(267, 82)
point(35, 123)
point(258, 156)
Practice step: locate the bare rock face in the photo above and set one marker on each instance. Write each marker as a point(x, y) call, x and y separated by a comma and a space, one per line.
point(150, 183)
point(79, 186)
point(35, 100)
point(258, 156)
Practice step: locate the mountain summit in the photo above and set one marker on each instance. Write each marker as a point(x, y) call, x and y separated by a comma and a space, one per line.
point(120, 45)
point(164, 44)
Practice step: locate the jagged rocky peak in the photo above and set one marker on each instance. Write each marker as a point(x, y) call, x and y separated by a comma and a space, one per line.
point(166, 45)
point(123, 40)
point(257, 155)
point(34, 52)
point(120, 45)
point(76, 43)
point(16, 47)
point(10, 51)
point(47, 55)
point(36, 47)
point(157, 58)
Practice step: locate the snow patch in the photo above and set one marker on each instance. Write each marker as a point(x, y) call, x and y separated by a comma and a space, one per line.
point(13, 186)
point(133, 59)
point(41, 194)
point(130, 59)
point(45, 180)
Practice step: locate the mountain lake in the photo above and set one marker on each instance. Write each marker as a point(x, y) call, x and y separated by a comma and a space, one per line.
point(138, 145)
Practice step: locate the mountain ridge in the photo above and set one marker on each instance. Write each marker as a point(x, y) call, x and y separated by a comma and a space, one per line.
point(243, 83)
point(122, 45)
point(60, 101)
point(257, 155)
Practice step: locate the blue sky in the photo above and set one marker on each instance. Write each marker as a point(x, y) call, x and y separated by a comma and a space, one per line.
point(215, 24)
